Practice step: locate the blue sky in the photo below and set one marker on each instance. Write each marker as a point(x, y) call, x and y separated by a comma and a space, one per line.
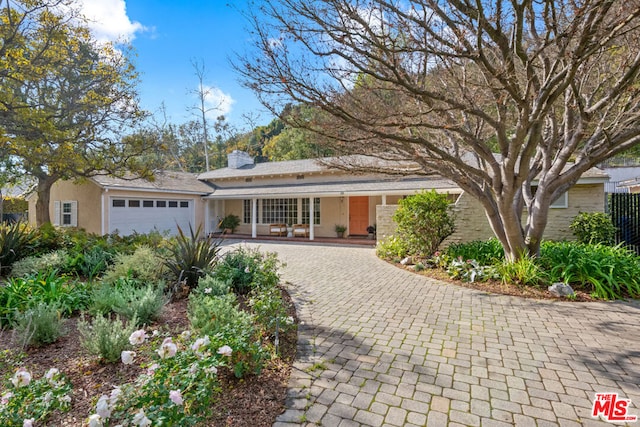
point(168, 35)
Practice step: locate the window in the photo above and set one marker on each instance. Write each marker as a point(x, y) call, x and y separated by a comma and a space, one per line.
point(560, 203)
point(316, 211)
point(147, 203)
point(173, 204)
point(279, 211)
point(184, 204)
point(161, 203)
point(118, 203)
point(134, 203)
point(65, 213)
point(246, 211)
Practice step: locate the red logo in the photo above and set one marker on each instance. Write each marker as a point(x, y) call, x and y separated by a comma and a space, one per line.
point(612, 408)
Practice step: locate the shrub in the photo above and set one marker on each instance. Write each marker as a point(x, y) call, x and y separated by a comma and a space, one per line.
point(219, 318)
point(106, 338)
point(191, 373)
point(20, 293)
point(129, 298)
point(470, 270)
point(230, 222)
point(37, 399)
point(424, 221)
point(40, 325)
point(212, 286)
point(593, 227)
point(269, 310)
point(608, 272)
point(485, 252)
point(144, 264)
point(55, 260)
point(192, 257)
point(246, 269)
point(16, 241)
point(523, 272)
point(89, 263)
point(392, 248)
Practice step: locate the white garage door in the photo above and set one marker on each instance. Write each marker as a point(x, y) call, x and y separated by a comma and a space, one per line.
point(129, 215)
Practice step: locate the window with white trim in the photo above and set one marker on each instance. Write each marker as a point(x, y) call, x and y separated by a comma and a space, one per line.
point(246, 211)
point(562, 202)
point(316, 211)
point(65, 213)
point(279, 211)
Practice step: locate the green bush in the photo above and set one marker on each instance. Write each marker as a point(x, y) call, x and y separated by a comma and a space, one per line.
point(269, 311)
point(40, 325)
point(89, 263)
point(143, 264)
point(485, 252)
point(392, 248)
point(192, 257)
point(219, 317)
point(212, 286)
point(424, 221)
point(129, 298)
point(56, 260)
point(246, 269)
point(230, 222)
point(523, 272)
point(16, 242)
point(470, 270)
point(608, 272)
point(20, 293)
point(106, 338)
point(593, 227)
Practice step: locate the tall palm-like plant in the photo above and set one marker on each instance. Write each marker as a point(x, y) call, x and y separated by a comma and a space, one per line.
point(192, 256)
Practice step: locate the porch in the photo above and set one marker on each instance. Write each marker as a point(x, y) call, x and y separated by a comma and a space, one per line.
point(348, 240)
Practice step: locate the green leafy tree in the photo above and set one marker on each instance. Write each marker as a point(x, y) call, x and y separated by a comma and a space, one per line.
point(424, 221)
point(65, 98)
point(493, 95)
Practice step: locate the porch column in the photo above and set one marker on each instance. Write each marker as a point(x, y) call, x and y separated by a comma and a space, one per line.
point(311, 219)
point(254, 218)
point(384, 199)
point(207, 220)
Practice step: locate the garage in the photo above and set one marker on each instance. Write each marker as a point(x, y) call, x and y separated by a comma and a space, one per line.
point(142, 215)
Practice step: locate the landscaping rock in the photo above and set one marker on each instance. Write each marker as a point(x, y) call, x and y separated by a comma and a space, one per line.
point(561, 290)
point(407, 261)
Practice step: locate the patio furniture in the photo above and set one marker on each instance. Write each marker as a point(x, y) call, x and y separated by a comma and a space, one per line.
point(301, 230)
point(278, 229)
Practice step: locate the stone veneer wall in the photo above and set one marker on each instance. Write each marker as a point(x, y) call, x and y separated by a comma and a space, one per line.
point(472, 223)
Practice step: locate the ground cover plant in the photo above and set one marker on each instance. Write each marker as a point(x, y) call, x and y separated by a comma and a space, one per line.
point(595, 270)
point(126, 351)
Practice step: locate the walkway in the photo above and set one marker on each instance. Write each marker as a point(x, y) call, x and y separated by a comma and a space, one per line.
point(379, 346)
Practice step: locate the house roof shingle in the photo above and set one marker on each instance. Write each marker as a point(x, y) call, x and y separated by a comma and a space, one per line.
point(181, 182)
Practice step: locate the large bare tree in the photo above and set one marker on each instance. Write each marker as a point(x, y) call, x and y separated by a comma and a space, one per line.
point(494, 95)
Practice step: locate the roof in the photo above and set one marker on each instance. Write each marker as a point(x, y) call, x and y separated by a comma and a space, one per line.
point(168, 181)
point(266, 169)
point(337, 188)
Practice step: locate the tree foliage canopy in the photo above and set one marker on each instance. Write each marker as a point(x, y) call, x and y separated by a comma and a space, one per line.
point(65, 98)
point(494, 95)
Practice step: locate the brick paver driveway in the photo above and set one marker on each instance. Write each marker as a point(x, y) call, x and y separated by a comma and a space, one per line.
point(380, 346)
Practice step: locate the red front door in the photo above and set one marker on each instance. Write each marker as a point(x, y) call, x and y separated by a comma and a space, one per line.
point(358, 215)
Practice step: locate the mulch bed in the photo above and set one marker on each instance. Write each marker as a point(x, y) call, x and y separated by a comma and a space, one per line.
point(251, 401)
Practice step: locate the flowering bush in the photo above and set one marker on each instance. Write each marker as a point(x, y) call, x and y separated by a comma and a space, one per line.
point(25, 401)
point(178, 388)
point(246, 269)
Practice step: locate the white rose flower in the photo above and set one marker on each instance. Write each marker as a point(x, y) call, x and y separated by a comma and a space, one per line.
point(127, 357)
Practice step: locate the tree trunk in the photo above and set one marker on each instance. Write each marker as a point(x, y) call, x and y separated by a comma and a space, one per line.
point(42, 203)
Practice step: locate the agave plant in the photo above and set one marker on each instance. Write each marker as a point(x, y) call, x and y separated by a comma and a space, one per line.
point(16, 240)
point(192, 256)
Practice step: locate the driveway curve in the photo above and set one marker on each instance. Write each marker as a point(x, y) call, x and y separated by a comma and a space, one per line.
point(380, 346)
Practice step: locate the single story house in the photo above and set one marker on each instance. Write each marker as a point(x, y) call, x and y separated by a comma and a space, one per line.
point(104, 204)
point(288, 192)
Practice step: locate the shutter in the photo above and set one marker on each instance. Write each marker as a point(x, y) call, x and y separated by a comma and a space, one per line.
point(56, 212)
point(74, 213)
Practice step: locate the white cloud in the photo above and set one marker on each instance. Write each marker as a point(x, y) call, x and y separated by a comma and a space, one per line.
point(217, 101)
point(108, 20)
